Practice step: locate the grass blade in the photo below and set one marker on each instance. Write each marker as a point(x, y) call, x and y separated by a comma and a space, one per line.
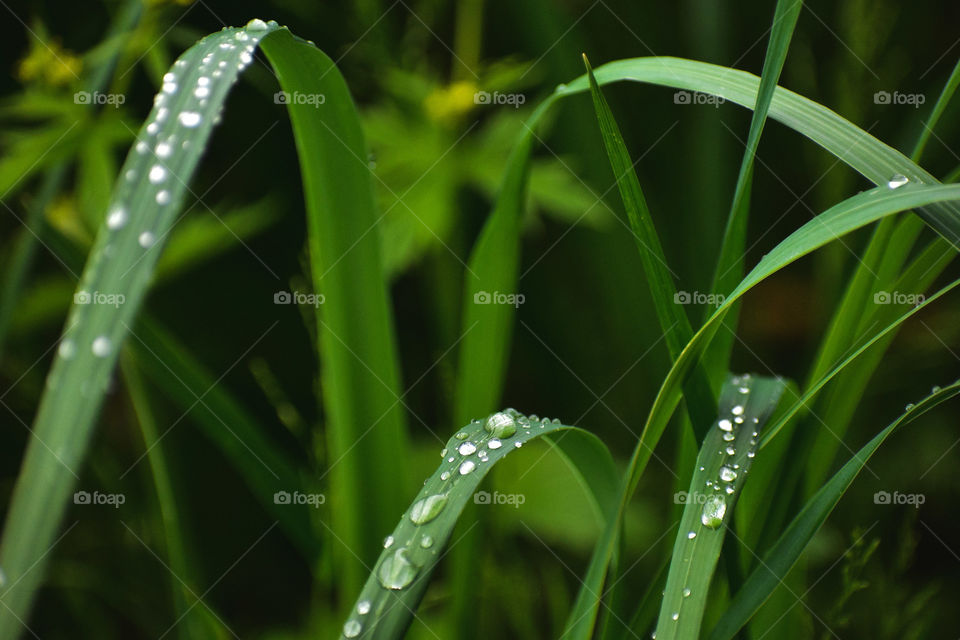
point(782, 556)
point(145, 203)
point(364, 411)
point(673, 319)
point(397, 582)
point(730, 265)
point(745, 404)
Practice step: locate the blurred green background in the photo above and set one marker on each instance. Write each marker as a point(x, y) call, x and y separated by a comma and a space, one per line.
point(586, 346)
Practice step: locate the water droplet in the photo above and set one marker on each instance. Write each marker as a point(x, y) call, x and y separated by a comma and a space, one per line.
point(729, 436)
point(163, 196)
point(66, 349)
point(750, 454)
point(727, 474)
point(935, 389)
point(714, 509)
point(388, 542)
point(101, 347)
point(146, 239)
point(692, 535)
point(737, 410)
point(731, 451)
point(744, 390)
point(352, 629)
point(189, 118)
point(467, 449)
point(157, 174)
point(426, 509)
point(675, 616)
point(517, 444)
point(467, 467)
point(501, 425)
point(142, 147)
point(363, 607)
point(725, 425)
point(117, 218)
point(426, 542)
point(257, 25)
point(163, 150)
point(461, 436)
point(445, 475)
point(909, 407)
point(201, 92)
point(494, 444)
point(897, 181)
point(397, 571)
point(686, 593)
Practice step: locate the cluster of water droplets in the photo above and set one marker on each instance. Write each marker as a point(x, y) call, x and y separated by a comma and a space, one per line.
point(160, 139)
point(466, 452)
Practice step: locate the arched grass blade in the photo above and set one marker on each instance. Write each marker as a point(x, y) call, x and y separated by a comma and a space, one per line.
point(722, 466)
point(388, 602)
point(147, 197)
point(365, 416)
point(787, 550)
point(870, 157)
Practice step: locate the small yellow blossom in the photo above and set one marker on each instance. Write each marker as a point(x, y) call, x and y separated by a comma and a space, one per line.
point(448, 103)
point(49, 63)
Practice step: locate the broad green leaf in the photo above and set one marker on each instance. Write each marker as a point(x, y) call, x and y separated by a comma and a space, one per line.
point(397, 581)
point(787, 550)
point(722, 467)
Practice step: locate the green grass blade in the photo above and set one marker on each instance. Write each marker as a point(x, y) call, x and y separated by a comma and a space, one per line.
point(870, 157)
point(730, 266)
point(745, 404)
point(847, 216)
point(782, 556)
point(938, 108)
point(673, 319)
point(146, 200)
point(365, 417)
point(397, 581)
